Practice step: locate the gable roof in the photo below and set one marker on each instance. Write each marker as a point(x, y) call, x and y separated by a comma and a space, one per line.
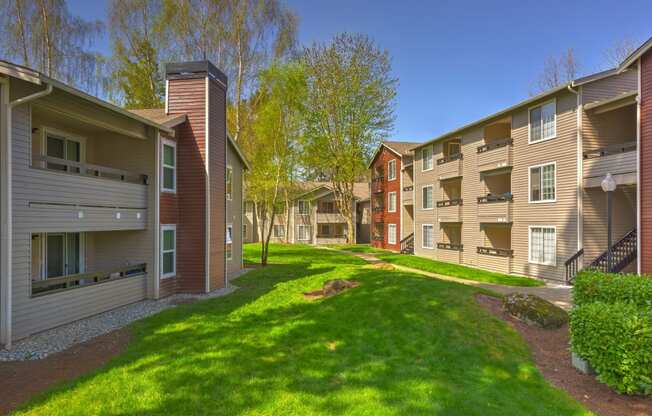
point(158, 115)
point(360, 189)
point(398, 148)
point(633, 57)
point(238, 152)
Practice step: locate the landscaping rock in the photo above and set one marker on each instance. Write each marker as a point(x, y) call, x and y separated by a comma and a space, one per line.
point(333, 287)
point(533, 310)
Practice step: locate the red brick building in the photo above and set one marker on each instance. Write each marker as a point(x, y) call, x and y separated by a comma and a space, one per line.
point(392, 195)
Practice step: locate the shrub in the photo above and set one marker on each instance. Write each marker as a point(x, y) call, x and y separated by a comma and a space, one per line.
point(591, 286)
point(616, 339)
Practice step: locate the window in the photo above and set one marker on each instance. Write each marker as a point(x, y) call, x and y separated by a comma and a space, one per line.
point(427, 236)
point(169, 169)
point(304, 207)
point(244, 231)
point(279, 231)
point(168, 250)
point(303, 232)
point(454, 147)
point(57, 254)
point(426, 197)
point(391, 202)
point(59, 145)
point(327, 207)
point(229, 242)
point(391, 233)
point(543, 245)
point(229, 183)
point(426, 158)
point(543, 122)
point(391, 170)
point(542, 183)
point(325, 230)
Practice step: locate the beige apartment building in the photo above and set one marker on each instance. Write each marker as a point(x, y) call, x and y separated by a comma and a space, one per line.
point(519, 191)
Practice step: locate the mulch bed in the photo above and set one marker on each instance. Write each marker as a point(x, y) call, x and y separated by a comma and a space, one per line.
point(22, 380)
point(551, 354)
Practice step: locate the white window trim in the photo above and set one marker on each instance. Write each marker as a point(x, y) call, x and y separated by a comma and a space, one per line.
point(389, 197)
point(228, 254)
point(393, 178)
point(529, 183)
point(305, 201)
point(529, 245)
point(173, 144)
point(168, 227)
point(433, 197)
point(432, 158)
point(529, 126)
point(433, 236)
point(275, 227)
point(62, 134)
point(229, 196)
point(299, 234)
point(391, 240)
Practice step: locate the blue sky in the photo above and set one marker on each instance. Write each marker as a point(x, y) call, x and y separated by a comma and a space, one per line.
point(458, 61)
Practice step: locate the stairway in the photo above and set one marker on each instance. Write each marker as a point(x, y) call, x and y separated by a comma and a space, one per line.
point(407, 244)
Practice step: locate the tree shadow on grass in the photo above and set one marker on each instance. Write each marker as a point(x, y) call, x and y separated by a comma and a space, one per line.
point(397, 344)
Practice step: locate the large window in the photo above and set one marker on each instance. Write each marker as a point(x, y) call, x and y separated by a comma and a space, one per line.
point(391, 202)
point(168, 250)
point(426, 158)
point(391, 233)
point(229, 183)
point(426, 197)
point(279, 231)
point(428, 236)
point(543, 183)
point(304, 207)
point(543, 122)
point(228, 247)
point(543, 245)
point(60, 147)
point(391, 170)
point(169, 166)
point(57, 254)
point(303, 232)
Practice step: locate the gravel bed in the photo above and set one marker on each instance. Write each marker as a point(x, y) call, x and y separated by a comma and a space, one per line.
point(39, 346)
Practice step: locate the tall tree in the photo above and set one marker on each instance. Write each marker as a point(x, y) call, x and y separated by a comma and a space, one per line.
point(349, 110)
point(44, 35)
point(618, 51)
point(557, 70)
point(138, 38)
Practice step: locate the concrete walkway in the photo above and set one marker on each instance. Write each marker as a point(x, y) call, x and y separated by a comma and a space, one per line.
point(558, 294)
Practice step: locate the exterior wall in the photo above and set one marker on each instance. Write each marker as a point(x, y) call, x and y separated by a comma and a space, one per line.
point(168, 214)
point(363, 216)
point(382, 162)
point(645, 173)
point(250, 229)
point(610, 87)
point(235, 209)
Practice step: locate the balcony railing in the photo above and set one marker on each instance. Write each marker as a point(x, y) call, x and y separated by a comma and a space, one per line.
point(610, 150)
point(75, 281)
point(619, 160)
point(378, 208)
point(377, 238)
point(498, 252)
point(495, 145)
point(88, 169)
point(449, 158)
point(492, 198)
point(450, 246)
point(378, 179)
point(449, 202)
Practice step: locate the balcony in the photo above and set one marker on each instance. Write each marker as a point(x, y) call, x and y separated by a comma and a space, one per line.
point(77, 196)
point(408, 195)
point(330, 217)
point(75, 281)
point(450, 246)
point(495, 208)
point(619, 160)
point(496, 252)
point(377, 237)
point(450, 166)
point(378, 184)
point(378, 208)
point(495, 155)
point(449, 210)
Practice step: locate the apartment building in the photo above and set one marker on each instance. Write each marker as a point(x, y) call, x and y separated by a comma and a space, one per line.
point(102, 207)
point(392, 196)
point(314, 218)
point(520, 191)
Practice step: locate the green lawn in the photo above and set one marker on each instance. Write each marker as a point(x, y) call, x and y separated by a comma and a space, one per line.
point(398, 344)
point(356, 248)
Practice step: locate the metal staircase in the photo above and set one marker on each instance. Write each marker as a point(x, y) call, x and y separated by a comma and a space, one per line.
point(407, 244)
point(623, 252)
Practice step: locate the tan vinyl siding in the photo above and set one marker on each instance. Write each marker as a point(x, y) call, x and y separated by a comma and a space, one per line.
point(610, 87)
point(235, 209)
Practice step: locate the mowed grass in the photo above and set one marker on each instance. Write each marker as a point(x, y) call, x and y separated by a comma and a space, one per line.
point(398, 344)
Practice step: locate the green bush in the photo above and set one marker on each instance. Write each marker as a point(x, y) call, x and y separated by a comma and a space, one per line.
point(616, 339)
point(591, 286)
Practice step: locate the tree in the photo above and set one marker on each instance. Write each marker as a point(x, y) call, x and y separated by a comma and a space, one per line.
point(349, 110)
point(42, 34)
point(557, 71)
point(616, 53)
point(273, 146)
point(138, 40)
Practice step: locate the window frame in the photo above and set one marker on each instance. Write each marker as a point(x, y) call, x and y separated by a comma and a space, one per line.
point(389, 170)
point(432, 158)
point(306, 203)
point(173, 273)
point(276, 227)
point(529, 243)
point(307, 227)
point(432, 187)
point(529, 183)
point(389, 198)
point(423, 226)
point(391, 240)
point(529, 122)
point(173, 145)
point(228, 243)
point(228, 183)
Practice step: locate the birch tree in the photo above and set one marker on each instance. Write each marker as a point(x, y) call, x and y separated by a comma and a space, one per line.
point(349, 110)
point(557, 70)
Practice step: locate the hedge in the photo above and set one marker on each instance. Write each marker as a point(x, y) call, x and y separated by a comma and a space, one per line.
point(616, 339)
point(591, 286)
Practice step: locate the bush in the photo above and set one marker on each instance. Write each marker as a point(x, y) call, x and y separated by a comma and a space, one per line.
point(591, 286)
point(616, 339)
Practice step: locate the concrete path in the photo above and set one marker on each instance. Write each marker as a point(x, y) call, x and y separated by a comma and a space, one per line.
point(558, 294)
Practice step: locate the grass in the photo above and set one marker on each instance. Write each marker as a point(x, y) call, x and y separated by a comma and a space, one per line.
point(356, 248)
point(399, 344)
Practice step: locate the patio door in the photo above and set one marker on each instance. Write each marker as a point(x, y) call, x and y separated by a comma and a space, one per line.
point(57, 254)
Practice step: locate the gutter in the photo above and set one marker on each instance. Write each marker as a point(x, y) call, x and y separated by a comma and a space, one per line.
point(580, 167)
point(7, 215)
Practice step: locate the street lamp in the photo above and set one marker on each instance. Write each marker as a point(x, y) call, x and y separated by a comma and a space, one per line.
point(609, 186)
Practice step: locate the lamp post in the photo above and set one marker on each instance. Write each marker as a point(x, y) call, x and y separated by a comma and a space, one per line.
point(609, 186)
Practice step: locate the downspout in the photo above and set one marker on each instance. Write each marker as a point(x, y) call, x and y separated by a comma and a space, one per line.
point(579, 165)
point(638, 171)
point(7, 216)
